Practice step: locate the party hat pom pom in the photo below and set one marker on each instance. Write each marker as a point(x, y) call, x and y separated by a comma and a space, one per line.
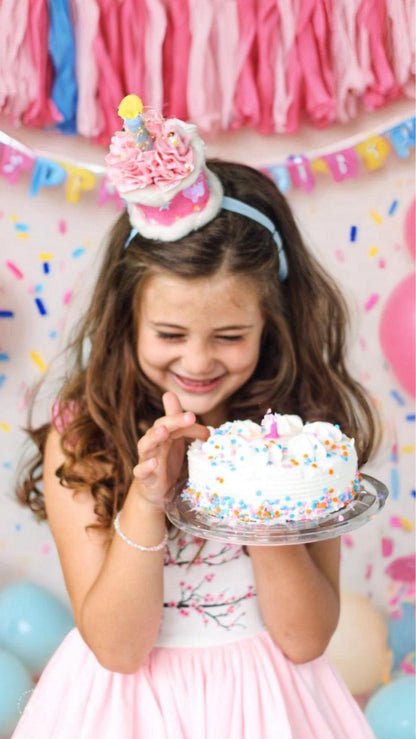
point(130, 107)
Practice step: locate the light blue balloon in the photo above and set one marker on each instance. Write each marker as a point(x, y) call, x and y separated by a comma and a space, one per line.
point(15, 689)
point(33, 622)
point(391, 710)
point(402, 634)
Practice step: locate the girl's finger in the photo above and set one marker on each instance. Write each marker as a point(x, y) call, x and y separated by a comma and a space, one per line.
point(196, 431)
point(142, 470)
point(176, 421)
point(151, 440)
point(171, 403)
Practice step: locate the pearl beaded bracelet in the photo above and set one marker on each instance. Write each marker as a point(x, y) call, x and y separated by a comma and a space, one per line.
point(133, 544)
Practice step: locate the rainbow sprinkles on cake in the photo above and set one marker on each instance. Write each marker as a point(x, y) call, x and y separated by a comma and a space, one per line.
point(279, 471)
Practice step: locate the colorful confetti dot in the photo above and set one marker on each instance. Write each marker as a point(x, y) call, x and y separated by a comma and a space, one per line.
point(393, 207)
point(62, 226)
point(399, 522)
point(387, 546)
point(373, 251)
point(410, 417)
point(394, 454)
point(394, 483)
point(371, 302)
point(41, 307)
point(38, 361)
point(397, 397)
point(340, 255)
point(16, 271)
point(376, 216)
point(4, 357)
point(67, 297)
point(78, 252)
point(6, 314)
point(2, 379)
point(353, 233)
point(4, 426)
point(408, 449)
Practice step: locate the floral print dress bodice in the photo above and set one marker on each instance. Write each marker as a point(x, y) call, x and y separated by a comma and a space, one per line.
point(209, 593)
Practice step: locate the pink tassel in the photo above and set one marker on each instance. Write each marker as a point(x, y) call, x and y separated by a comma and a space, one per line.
point(246, 101)
point(202, 93)
point(313, 44)
point(85, 18)
point(267, 36)
point(109, 62)
point(24, 80)
point(287, 71)
point(349, 77)
point(225, 48)
point(401, 28)
point(133, 22)
point(383, 87)
point(154, 37)
point(41, 111)
point(176, 51)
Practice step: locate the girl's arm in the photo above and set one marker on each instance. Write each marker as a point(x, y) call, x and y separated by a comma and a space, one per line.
point(298, 590)
point(116, 591)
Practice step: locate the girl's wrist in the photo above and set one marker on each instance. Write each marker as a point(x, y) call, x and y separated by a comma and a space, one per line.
point(149, 507)
point(140, 520)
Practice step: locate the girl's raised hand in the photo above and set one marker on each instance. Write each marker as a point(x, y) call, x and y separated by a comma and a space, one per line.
point(161, 450)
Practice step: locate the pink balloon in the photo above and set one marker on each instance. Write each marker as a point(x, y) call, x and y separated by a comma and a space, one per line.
point(409, 228)
point(397, 332)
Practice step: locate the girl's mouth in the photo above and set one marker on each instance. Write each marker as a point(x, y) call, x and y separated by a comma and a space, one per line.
point(197, 386)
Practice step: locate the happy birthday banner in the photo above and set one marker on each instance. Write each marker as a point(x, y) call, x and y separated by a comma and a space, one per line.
point(299, 171)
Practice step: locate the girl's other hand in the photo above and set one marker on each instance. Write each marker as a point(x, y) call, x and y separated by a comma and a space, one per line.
point(162, 448)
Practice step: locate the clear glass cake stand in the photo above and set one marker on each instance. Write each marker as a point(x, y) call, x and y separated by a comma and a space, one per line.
point(370, 501)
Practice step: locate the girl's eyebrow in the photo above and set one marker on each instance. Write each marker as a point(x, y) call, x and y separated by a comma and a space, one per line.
point(240, 327)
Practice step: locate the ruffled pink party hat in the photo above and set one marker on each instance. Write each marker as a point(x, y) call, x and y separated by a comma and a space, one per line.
point(158, 167)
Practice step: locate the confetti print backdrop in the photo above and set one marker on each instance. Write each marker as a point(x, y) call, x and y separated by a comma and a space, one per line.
point(49, 251)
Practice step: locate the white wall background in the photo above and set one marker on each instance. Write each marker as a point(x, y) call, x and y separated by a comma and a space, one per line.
point(70, 234)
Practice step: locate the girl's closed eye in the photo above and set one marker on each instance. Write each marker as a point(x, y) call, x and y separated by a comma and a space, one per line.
point(169, 336)
point(238, 337)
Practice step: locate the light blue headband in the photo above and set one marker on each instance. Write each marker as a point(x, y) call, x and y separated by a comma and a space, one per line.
point(243, 209)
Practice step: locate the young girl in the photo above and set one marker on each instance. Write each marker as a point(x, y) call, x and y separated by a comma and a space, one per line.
point(177, 638)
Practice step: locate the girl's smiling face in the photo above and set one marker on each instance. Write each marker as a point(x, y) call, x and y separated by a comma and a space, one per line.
point(199, 338)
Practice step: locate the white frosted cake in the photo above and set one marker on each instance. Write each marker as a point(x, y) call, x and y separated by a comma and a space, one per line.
point(282, 470)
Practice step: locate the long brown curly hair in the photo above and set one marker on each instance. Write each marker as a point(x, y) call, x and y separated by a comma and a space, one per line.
point(105, 406)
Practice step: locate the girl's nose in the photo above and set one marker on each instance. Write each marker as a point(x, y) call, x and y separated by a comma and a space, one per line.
point(198, 360)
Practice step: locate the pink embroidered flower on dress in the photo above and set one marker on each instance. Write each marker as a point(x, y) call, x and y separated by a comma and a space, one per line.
point(165, 166)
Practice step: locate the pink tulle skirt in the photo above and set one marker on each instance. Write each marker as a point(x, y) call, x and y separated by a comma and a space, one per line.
point(241, 690)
